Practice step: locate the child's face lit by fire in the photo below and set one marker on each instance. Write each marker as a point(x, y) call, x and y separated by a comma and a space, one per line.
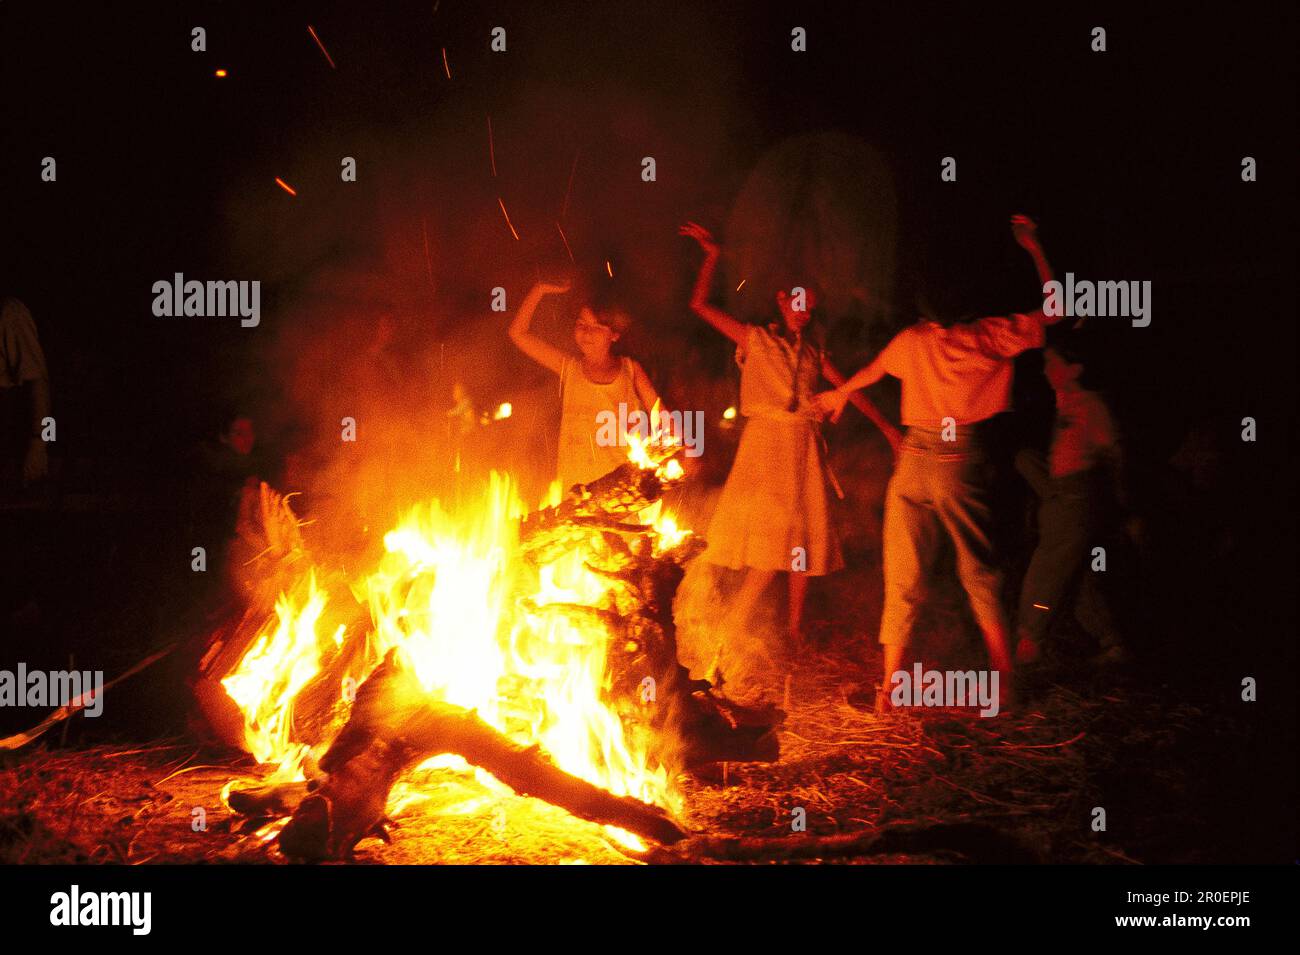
point(594, 339)
point(796, 318)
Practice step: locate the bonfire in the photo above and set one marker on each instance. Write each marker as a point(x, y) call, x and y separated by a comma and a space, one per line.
point(535, 652)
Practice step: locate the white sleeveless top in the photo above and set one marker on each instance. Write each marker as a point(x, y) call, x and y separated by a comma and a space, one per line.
point(581, 457)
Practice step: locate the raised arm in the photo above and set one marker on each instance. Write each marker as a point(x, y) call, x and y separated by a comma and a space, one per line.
point(539, 351)
point(716, 317)
point(1025, 231)
point(863, 404)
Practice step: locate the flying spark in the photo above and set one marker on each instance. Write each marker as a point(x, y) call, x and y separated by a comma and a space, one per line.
point(507, 215)
point(609, 268)
point(285, 186)
point(741, 285)
point(566, 243)
point(428, 262)
point(565, 208)
point(221, 72)
point(444, 62)
point(329, 59)
point(492, 150)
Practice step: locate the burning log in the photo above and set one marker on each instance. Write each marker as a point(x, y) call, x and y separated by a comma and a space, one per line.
point(395, 726)
point(692, 725)
point(623, 492)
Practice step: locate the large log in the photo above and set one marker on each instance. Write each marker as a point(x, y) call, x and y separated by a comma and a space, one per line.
point(395, 726)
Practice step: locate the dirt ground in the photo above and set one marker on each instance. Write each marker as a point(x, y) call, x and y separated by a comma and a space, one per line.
point(942, 786)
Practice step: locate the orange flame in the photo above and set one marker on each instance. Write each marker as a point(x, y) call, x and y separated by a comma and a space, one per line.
point(469, 616)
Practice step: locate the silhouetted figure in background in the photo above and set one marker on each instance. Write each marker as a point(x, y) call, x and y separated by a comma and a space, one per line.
point(1079, 484)
point(227, 490)
point(24, 399)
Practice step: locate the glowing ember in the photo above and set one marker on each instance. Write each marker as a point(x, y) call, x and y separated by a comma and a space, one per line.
point(285, 186)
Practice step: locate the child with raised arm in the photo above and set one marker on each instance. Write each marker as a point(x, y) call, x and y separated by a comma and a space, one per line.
point(593, 382)
point(774, 512)
point(954, 378)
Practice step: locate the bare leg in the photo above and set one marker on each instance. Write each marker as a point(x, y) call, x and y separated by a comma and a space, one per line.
point(798, 594)
point(893, 663)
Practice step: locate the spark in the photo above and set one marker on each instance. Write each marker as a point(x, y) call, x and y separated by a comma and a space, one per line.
point(285, 186)
point(609, 268)
point(428, 262)
point(507, 215)
point(329, 59)
point(565, 208)
point(221, 72)
point(566, 243)
point(492, 150)
point(444, 62)
point(741, 285)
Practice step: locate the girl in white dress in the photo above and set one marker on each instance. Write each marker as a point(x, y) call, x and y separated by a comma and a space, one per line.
point(774, 512)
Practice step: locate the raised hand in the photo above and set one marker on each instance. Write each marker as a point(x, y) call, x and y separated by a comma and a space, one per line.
point(1025, 231)
point(701, 235)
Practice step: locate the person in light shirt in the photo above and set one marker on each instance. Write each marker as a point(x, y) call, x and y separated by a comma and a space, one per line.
point(955, 377)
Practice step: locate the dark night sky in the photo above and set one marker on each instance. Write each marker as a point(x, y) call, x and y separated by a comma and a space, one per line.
point(1130, 159)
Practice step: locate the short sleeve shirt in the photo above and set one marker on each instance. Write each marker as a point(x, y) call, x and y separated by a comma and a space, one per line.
point(962, 372)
